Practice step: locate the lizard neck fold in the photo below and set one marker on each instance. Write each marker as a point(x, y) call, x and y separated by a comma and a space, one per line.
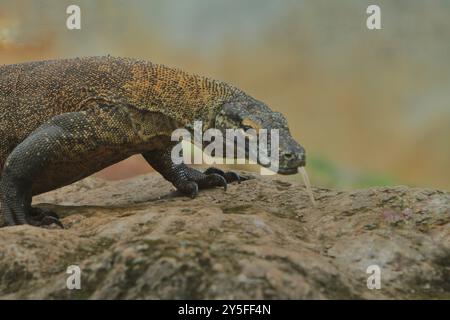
point(180, 95)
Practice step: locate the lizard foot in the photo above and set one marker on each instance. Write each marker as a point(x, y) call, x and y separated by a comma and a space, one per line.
point(189, 188)
point(212, 180)
point(230, 176)
point(43, 218)
point(202, 181)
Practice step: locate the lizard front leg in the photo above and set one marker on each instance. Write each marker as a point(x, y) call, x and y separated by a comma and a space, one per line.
point(188, 180)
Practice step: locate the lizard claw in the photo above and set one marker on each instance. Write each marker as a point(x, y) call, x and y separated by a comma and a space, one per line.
point(233, 176)
point(194, 191)
point(44, 218)
point(230, 176)
point(189, 188)
point(223, 183)
point(213, 180)
point(49, 220)
point(193, 180)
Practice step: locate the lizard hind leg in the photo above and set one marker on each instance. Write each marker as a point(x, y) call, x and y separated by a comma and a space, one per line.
point(57, 153)
point(14, 201)
point(17, 209)
point(21, 167)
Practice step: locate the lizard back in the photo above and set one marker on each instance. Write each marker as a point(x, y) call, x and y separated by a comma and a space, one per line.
point(32, 93)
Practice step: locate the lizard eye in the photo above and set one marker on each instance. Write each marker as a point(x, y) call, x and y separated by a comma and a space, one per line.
point(249, 132)
point(249, 124)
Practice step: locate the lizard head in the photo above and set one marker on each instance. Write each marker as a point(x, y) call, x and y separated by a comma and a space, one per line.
point(247, 114)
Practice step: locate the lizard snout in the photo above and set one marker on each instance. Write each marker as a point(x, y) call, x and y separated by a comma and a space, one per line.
point(294, 159)
point(291, 156)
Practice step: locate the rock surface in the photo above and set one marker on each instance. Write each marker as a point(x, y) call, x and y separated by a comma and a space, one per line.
point(138, 238)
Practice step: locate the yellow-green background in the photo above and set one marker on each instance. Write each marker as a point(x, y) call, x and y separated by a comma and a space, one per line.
point(370, 107)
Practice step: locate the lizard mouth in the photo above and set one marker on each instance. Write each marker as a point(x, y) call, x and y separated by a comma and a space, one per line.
point(287, 171)
point(281, 170)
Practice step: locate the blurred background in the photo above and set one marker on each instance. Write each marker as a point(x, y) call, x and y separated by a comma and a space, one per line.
point(370, 107)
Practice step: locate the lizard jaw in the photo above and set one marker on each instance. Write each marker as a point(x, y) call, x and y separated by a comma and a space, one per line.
point(287, 171)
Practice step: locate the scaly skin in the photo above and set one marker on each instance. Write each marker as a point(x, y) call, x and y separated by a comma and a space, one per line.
point(63, 120)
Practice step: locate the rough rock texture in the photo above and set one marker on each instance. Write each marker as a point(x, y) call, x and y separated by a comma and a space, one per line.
point(261, 239)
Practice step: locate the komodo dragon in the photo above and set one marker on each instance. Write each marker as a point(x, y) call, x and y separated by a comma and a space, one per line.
point(63, 120)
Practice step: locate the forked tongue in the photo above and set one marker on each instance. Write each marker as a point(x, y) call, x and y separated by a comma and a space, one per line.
point(307, 184)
